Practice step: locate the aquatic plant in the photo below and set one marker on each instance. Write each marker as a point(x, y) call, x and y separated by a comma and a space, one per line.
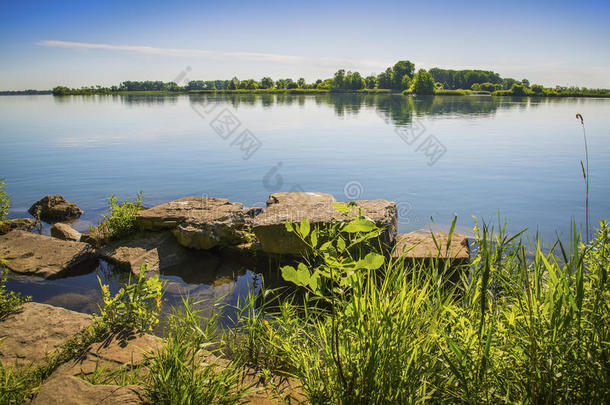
point(585, 173)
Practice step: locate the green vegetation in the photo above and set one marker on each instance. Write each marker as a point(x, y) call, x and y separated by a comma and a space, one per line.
point(182, 371)
point(9, 300)
point(360, 327)
point(136, 305)
point(398, 78)
point(5, 201)
point(508, 329)
point(119, 221)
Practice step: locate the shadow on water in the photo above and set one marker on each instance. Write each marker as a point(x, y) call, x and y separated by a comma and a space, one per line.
point(215, 281)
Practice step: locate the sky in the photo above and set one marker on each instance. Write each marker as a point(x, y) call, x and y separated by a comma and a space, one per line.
point(45, 44)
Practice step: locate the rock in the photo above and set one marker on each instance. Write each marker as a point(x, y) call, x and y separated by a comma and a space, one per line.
point(124, 349)
point(252, 212)
point(36, 329)
point(44, 256)
point(198, 222)
point(54, 208)
point(270, 230)
point(423, 247)
point(159, 250)
point(68, 390)
point(64, 232)
point(24, 224)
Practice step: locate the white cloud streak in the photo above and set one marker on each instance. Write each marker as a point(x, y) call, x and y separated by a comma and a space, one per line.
point(218, 55)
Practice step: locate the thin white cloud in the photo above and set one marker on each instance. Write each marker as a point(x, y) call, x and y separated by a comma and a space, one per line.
point(243, 56)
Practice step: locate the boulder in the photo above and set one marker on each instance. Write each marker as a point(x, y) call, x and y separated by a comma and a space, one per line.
point(159, 250)
point(44, 256)
point(54, 208)
point(127, 348)
point(198, 222)
point(270, 230)
point(69, 390)
point(36, 329)
point(64, 232)
point(421, 245)
point(24, 224)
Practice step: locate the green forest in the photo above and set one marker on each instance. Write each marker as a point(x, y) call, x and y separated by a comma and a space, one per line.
point(400, 78)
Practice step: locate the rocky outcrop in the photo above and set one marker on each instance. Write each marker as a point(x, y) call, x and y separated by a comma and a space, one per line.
point(54, 208)
point(36, 329)
point(270, 230)
point(24, 224)
point(64, 231)
point(198, 222)
point(158, 250)
point(69, 390)
point(421, 245)
point(44, 256)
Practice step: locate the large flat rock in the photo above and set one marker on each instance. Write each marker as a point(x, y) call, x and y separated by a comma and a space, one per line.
point(318, 209)
point(421, 245)
point(69, 390)
point(44, 256)
point(124, 349)
point(36, 329)
point(198, 222)
point(158, 250)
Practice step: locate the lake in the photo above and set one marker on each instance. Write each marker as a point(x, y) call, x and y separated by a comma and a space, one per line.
point(518, 158)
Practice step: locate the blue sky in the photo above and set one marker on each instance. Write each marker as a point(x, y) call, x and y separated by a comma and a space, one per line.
point(44, 44)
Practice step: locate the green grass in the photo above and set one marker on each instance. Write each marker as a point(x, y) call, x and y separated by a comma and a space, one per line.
point(118, 221)
point(512, 329)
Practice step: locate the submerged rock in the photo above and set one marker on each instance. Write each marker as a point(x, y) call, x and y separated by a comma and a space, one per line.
point(158, 250)
point(44, 256)
point(24, 224)
point(64, 231)
point(270, 230)
point(198, 222)
point(36, 329)
point(54, 208)
point(421, 245)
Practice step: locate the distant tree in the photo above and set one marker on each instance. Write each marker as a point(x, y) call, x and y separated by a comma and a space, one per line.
point(301, 82)
point(317, 83)
point(339, 79)
point(384, 79)
point(406, 82)
point(423, 83)
point(61, 91)
point(291, 84)
point(537, 89)
point(399, 70)
point(233, 84)
point(525, 82)
point(370, 82)
point(267, 83)
point(518, 90)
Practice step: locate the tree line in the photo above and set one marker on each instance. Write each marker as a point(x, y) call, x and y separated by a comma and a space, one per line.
point(401, 77)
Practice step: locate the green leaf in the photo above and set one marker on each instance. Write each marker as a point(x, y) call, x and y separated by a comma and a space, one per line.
point(288, 226)
point(304, 228)
point(315, 283)
point(289, 274)
point(340, 244)
point(359, 225)
point(371, 261)
point(314, 238)
point(342, 208)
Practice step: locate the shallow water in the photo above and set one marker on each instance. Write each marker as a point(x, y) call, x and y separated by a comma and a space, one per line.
point(434, 156)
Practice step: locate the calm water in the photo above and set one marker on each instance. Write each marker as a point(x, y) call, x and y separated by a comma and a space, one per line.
point(435, 156)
